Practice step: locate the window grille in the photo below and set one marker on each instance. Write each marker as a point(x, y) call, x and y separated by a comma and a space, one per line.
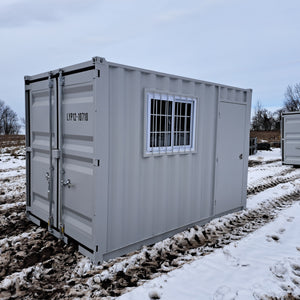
point(170, 123)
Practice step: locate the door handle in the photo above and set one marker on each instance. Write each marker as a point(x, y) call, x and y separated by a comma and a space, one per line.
point(47, 176)
point(66, 183)
point(241, 156)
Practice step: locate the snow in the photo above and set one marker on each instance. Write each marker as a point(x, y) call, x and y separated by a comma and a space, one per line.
point(253, 267)
point(264, 156)
point(272, 193)
point(9, 205)
point(265, 263)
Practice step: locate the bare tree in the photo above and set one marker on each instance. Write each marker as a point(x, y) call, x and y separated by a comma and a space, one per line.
point(292, 98)
point(9, 123)
point(2, 107)
point(262, 119)
point(277, 118)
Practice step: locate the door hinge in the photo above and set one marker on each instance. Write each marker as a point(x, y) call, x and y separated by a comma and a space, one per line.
point(56, 153)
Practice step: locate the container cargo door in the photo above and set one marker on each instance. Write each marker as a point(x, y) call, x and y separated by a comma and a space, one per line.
point(230, 157)
point(38, 148)
point(76, 135)
point(291, 139)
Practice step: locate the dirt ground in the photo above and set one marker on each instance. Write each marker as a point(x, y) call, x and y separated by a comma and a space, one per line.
point(11, 140)
point(36, 265)
point(270, 136)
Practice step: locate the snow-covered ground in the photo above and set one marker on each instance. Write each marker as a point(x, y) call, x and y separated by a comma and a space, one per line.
point(265, 263)
point(253, 254)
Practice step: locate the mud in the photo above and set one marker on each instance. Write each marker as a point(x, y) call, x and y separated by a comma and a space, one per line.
point(14, 223)
point(36, 265)
point(49, 279)
point(203, 241)
point(288, 296)
point(253, 163)
point(11, 199)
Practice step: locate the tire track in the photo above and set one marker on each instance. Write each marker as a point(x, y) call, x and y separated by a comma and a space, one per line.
point(253, 163)
point(49, 279)
point(14, 223)
point(112, 280)
point(57, 261)
point(39, 266)
point(38, 248)
point(271, 183)
point(12, 199)
point(270, 175)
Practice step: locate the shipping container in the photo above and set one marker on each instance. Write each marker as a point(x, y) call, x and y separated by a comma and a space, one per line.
point(119, 157)
point(290, 138)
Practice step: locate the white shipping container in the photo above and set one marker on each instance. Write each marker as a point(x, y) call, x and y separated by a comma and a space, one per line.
point(290, 138)
point(119, 157)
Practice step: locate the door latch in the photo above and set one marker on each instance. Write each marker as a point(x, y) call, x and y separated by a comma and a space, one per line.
point(241, 156)
point(66, 183)
point(47, 176)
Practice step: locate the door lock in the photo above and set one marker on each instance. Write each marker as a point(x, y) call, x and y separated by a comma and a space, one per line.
point(66, 183)
point(241, 156)
point(47, 176)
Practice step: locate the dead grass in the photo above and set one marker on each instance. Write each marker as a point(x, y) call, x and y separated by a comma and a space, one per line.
point(12, 140)
point(270, 136)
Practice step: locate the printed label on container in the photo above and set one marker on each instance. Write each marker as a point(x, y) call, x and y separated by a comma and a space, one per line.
point(83, 116)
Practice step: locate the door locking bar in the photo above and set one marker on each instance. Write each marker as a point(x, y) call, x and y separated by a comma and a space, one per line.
point(61, 82)
point(49, 176)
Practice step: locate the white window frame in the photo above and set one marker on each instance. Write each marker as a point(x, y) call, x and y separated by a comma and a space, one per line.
point(160, 150)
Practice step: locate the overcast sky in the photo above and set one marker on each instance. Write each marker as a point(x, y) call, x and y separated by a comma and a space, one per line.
point(249, 44)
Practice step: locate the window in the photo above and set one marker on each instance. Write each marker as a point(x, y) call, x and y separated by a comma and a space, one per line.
point(170, 123)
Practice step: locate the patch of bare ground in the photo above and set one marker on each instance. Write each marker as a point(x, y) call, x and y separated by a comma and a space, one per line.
point(288, 296)
point(253, 163)
point(49, 264)
point(36, 265)
point(269, 136)
point(180, 249)
point(13, 221)
point(11, 199)
point(12, 140)
point(49, 276)
point(27, 252)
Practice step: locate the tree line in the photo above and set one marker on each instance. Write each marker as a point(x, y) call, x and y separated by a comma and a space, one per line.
point(9, 121)
point(266, 120)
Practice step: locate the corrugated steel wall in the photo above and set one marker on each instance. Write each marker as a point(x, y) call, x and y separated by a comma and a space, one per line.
point(290, 134)
point(156, 194)
point(133, 197)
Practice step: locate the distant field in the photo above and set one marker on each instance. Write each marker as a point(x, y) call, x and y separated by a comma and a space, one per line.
point(270, 136)
point(12, 140)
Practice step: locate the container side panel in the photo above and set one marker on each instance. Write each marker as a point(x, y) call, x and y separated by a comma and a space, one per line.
point(291, 139)
point(153, 195)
